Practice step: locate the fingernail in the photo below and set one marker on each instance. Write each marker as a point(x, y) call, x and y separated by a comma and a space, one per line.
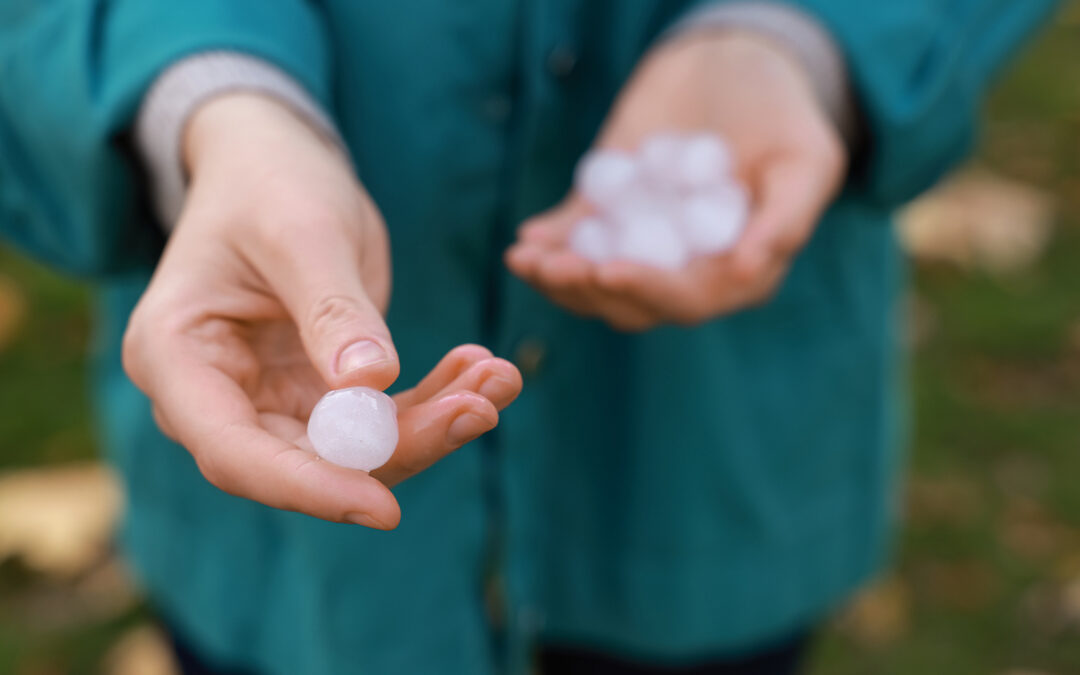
point(365, 520)
point(360, 355)
point(465, 428)
point(493, 386)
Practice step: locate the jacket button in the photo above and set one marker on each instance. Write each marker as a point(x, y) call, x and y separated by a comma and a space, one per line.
point(529, 356)
point(561, 61)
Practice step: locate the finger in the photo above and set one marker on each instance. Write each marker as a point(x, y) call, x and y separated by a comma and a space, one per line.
point(533, 263)
point(213, 418)
point(318, 277)
point(523, 259)
point(433, 429)
point(542, 258)
point(626, 314)
point(543, 234)
point(659, 294)
point(162, 422)
point(497, 380)
point(552, 227)
point(456, 362)
point(791, 196)
point(567, 279)
point(572, 282)
point(705, 290)
point(790, 199)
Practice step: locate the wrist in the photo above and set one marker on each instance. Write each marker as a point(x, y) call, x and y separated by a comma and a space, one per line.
point(750, 48)
point(238, 124)
point(764, 60)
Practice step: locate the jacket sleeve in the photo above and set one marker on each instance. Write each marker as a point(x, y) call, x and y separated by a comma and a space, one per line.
point(920, 70)
point(72, 75)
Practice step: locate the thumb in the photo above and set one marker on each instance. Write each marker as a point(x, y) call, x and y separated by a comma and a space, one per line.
point(342, 329)
point(347, 340)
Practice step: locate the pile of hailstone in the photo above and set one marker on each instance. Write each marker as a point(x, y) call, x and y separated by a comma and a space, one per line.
point(673, 199)
point(355, 428)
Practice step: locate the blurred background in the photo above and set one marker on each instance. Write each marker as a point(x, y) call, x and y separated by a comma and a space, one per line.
point(987, 574)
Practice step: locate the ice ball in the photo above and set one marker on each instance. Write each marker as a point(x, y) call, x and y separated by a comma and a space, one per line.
point(591, 239)
point(355, 428)
point(604, 176)
point(712, 221)
point(705, 160)
point(651, 241)
point(660, 156)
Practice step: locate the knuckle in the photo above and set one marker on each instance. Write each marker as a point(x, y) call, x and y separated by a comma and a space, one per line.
point(412, 463)
point(788, 244)
point(162, 422)
point(134, 344)
point(213, 472)
point(330, 311)
point(829, 152)
point(130, 349)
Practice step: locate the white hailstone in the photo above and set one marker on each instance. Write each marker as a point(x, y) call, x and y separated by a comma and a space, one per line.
point(711, 221)
point(355, 428)
point(659, 157)
point(650, 240)
point(705, 160)
point(592, 239)
point(644, 203)
point(605, 176)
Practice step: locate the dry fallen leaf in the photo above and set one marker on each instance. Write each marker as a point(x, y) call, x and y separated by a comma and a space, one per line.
point(1070, 602)
point(879, 614)
point(954, 501)
point(966, 585)
point(109, 588)
point(1028, 530)
point(59, 520)
point(1074, 337)
point(12, 311)
point(143, 650)
point(979, 219)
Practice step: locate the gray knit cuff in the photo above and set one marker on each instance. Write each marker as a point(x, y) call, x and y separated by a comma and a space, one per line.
point(186, 85)
point(803, 34)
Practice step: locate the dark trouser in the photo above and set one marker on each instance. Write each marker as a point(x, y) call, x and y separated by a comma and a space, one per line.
point(783, 658)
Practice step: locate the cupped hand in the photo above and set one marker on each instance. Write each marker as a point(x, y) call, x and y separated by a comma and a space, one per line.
point(756, 96)
point(271, 291)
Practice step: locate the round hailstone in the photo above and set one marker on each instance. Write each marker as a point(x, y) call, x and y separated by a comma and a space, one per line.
point(355, 428)
point(659, 157)
point(591, 239)
point(643, 204)
point(711, 221)
point(651, 241)
point(705, 160)
point(604, 176)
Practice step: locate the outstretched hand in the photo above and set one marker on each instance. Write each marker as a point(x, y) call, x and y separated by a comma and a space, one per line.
point(271, 291)
point(752, 93)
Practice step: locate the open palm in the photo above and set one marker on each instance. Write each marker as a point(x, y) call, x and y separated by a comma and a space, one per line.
point(272, 291)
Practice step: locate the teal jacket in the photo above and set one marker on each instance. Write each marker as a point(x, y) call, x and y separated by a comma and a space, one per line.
point(671, 495)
